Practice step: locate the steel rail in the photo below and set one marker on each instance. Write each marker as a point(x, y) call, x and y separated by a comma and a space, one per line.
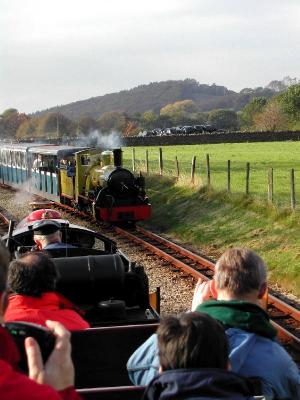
point(286, 310)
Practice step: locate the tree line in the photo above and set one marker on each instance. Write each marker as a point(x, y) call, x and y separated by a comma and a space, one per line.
point(281, 112)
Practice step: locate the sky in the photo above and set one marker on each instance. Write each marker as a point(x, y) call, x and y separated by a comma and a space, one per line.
point(54, 52)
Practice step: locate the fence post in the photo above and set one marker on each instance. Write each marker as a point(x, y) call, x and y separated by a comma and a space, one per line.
point(208, 169)
point(193, 167)
point(293, 194)
point(147, 162)
point(228, 176)
point(133, 159)
point(270, 185)
point(161, 166)
point(247, 177)
point(177, 167)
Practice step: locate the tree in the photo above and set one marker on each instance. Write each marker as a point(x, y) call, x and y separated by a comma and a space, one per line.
point(272, 118)
point(255, 106)
point(86, 125)
point(54, 125)
point(28, 129)
point(223, 119)
point(148, 120)
point(113, 120)
point(11, 119)
point(290, 101)
point(179, 107)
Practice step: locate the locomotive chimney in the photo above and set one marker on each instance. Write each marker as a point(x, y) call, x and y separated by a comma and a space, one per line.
point(117, 157)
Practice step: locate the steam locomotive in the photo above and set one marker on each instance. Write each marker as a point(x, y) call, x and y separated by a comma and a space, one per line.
point(86, 178)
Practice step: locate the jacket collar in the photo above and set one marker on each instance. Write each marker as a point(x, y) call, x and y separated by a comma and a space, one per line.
point(198, 384)
point(240, 314)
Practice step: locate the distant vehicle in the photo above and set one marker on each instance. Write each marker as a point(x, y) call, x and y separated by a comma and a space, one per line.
point(142, 134)
point(209, 128)
point(188, 130)
point(199, 128)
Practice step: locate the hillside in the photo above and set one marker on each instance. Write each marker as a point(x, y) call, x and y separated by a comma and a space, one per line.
point(156, 95)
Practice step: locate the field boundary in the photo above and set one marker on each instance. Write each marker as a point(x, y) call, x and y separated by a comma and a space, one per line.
point(213, 138)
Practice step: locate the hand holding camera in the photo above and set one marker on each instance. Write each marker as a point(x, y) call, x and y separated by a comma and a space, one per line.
point(47, 352)
point(204, 291)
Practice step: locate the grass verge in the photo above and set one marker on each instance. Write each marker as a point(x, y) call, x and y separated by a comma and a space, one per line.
point(212, 221)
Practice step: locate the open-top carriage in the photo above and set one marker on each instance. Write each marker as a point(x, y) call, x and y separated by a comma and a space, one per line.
point(112, 291)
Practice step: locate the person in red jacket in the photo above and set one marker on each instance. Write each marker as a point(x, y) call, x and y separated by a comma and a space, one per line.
point(53, 380)
point(31, 282)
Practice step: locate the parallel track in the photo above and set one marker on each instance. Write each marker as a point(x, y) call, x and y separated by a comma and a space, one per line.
point(284, 317)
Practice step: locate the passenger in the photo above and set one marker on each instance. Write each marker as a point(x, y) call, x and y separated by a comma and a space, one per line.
point(47, 235)
point(53, 380)
point(193, 356)
point(31, 283)
point(37, 163)
point(240, 281)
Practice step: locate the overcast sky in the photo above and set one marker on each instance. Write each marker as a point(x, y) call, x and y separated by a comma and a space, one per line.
point(58, 51)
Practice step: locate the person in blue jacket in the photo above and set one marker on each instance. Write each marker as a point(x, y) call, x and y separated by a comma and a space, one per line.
point(193, 356)
point(233, 298)
point(47, 235)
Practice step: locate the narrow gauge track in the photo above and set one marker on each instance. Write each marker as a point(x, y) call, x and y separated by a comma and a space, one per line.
point(284, 317)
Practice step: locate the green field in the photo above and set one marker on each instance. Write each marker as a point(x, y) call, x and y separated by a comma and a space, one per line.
point(281, 156)
point(213, 220)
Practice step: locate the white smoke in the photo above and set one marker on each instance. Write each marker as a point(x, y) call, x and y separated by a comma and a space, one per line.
point(22, 195)
point(105, 141)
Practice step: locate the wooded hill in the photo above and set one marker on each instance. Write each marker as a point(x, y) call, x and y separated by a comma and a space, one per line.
point(156, 95)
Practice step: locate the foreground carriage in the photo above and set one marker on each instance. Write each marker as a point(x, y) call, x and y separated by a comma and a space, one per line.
point(113, 291)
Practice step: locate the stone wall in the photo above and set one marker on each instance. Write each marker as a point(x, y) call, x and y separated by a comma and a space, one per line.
point(207, 138)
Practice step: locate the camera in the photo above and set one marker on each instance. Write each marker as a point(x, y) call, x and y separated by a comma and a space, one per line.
point(21, 330)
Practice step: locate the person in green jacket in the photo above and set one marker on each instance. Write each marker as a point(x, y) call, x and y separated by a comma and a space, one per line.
point(234, 298)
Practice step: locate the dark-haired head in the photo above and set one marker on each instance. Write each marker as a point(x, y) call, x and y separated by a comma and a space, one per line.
point(32, 275)
point(193, 340)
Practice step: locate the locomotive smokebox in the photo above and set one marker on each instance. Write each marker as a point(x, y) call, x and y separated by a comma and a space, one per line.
point(118, 157)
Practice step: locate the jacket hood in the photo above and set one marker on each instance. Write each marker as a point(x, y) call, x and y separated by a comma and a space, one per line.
point(199, 384)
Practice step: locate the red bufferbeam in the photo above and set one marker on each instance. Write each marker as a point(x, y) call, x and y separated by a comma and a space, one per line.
point(125, 213)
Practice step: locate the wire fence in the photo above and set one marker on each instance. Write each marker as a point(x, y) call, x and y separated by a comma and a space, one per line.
point(275, 185)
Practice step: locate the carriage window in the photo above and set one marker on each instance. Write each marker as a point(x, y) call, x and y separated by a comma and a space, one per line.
point(22, 160)
point(13, 158)
point(18, 160)
point(4, 157)
point(85, 160)
point(9, 158)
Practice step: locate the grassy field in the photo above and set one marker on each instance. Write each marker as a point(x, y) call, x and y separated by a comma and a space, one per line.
point(213, 220)
point(281, 156)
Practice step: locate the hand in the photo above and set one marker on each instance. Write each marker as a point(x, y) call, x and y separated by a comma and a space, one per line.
point(58, 371)
point(203, 292)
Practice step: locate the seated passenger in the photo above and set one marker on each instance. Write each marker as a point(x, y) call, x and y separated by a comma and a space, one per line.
point(47, 235)
point(31, 282)
point(239, 282)
point(193, 356)
point(53, 380)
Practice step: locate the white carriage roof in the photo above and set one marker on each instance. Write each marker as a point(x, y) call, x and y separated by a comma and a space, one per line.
point(54, 149)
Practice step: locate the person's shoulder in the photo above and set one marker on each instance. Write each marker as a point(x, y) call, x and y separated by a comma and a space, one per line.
point(59, 246)
point(270, 348)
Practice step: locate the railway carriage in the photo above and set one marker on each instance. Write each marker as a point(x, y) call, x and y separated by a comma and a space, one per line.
point(112, 291)
point(86, 178)
point(14, 167)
